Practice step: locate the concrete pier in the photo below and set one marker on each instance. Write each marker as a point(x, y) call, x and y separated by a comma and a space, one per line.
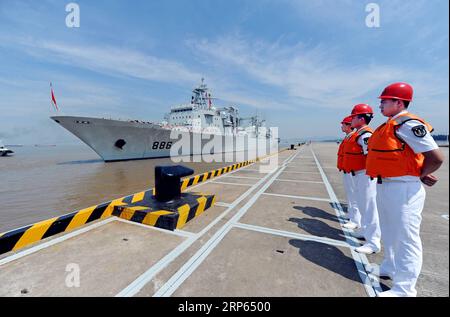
point(269, 234)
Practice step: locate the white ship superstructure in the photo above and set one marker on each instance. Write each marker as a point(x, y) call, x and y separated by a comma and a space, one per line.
point(206, 128)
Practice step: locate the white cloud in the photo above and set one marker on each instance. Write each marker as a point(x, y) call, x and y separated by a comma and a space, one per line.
point(312, 75)
point(301, 78)
point(254, 100)
point(111, 60)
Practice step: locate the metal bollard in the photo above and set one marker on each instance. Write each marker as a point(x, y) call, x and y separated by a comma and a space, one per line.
point(167, 181)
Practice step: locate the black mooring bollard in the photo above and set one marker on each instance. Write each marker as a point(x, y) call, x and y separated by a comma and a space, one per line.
point(167, 181)
point(292, 146)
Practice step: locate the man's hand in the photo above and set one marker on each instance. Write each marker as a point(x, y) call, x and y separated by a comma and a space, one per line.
point(429, 179)
point(433, 160)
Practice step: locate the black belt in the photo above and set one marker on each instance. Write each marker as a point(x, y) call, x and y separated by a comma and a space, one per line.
point(379, 179)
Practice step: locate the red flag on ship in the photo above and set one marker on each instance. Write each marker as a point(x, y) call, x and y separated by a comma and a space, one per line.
point(53, 97)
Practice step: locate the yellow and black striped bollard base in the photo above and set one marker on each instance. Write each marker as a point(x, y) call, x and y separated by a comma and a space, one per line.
point(166, 215)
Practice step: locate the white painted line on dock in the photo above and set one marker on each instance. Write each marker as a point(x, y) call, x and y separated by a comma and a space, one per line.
point(142, 280)
point(299, 197)
point(217, 177)
point(371, 286)
point(246, 177)
point(249, 170)
point(47, 244)
point(226, 183)
point(295, 172)
point(302, 164)
point(290, 234)
point(179, 233)
point(298, 181)
point(221, 204)
point(292, 169)
point(191, 265)
point(309, 162)
point(228, 175)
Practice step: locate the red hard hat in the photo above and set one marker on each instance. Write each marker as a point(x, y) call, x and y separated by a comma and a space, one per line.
point(361, 108)
point(401, 91)
point(347, 119)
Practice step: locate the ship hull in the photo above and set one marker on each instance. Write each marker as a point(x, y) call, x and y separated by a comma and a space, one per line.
point(117, 140)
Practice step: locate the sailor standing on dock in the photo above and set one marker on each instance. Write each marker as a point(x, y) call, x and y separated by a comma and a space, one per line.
point(402, 153)
point(355, 153)
point(353, 213)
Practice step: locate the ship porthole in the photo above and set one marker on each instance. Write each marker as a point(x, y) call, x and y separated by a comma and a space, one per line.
point(120, 143)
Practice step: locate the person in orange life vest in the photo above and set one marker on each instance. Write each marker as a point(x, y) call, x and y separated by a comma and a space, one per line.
point(365, 188)
point(402, 153)
point(353, 214)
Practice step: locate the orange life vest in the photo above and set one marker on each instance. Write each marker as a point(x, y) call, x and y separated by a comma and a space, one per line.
point(340, 155)
point(354, 158)
point(390, 156)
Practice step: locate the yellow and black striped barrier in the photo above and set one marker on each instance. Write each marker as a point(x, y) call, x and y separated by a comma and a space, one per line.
point(19, 238)
point(194, 180)
point(16, 239)
point(166, 216)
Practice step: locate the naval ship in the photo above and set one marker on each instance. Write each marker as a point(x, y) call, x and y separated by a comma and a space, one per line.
point(208, 130)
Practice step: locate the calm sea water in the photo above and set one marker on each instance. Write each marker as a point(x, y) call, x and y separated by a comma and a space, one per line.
point(38, 183)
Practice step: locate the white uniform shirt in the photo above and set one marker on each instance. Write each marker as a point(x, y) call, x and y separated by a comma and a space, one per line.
point(418, 144)
point(363, 140)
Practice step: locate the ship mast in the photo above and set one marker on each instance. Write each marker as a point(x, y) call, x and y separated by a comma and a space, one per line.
point(201, 96)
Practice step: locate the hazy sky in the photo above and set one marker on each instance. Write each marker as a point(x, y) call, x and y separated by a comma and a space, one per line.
point(301, 64)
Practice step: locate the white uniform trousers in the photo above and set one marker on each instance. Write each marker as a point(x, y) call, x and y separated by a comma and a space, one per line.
point(366, 197)
point(400, 206)
point(352, 205)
